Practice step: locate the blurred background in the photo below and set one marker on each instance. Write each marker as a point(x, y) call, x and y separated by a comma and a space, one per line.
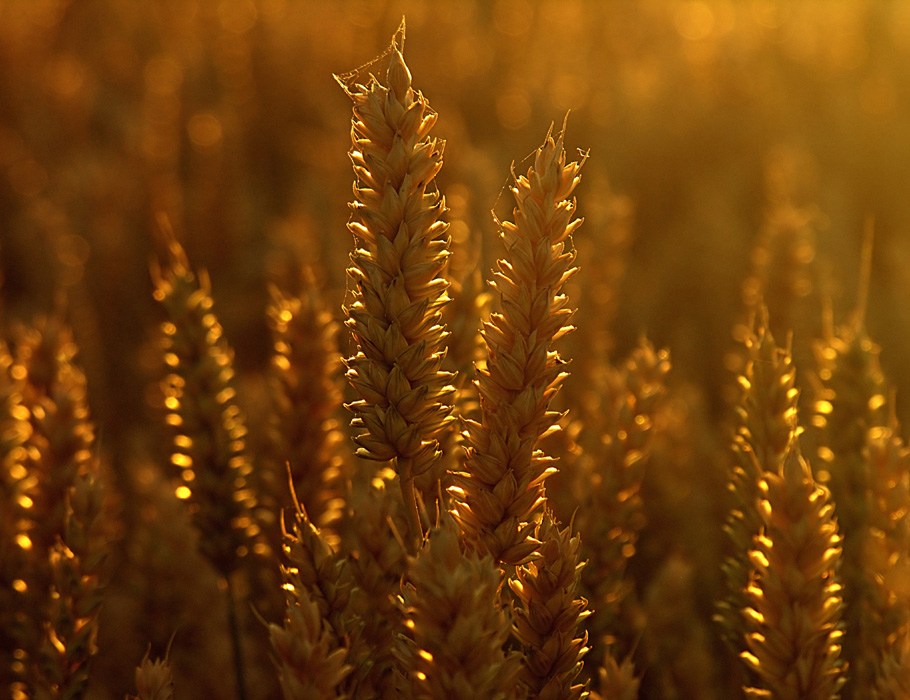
point(719, 132)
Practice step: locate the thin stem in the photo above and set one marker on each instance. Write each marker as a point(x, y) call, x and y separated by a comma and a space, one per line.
point(239, 674)
point(409, 496)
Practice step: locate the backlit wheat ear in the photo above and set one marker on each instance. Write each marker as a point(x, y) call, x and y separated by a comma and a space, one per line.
point(794, 643)
point(500, 494)
point(61, 569)
point(304, 434)
point(549, 616)
point(209, 428)
point(15, 430)
point(850, 398)
point(396, 273)
point(766, 414)
point(453, 647)
point(886, 557)
point(78, 582)
point(611, 512)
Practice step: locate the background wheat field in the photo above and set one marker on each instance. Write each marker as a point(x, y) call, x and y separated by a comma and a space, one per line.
point(698, 491)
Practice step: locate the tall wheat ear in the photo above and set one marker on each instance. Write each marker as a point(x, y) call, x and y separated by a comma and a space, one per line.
point(453, 646)
point(401, 248)
point(796, 608)
point(209, 428)
point(500, 494)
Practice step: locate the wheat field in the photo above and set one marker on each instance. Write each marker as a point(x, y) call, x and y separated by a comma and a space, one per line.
point(512, 349)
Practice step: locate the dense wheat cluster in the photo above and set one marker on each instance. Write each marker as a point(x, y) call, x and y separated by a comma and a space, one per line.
point(555, 352)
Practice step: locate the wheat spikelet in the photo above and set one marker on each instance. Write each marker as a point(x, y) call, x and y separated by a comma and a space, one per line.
point(500, 493)
point(794, 645)
point(766, 417)
point(401, 250)
point(303, 432)
point(550, 615)
point(453, 647)
point(208, 425)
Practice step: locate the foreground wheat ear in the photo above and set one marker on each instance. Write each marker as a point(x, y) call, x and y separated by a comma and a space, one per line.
point(401, 248)
point(500, 494)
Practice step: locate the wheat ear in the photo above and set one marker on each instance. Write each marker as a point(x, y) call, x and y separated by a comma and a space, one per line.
point(209, 442)
point(850, 398)
point(455, 631)
point(500, 494)
point(549, 616)
point(154, 680)
point(794, 618)
point(15, 431)
point(766, 421)
point(304, 434)
point(401, 247)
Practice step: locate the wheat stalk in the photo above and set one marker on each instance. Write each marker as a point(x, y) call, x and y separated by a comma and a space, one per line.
point(500, 493)
point(401, 247)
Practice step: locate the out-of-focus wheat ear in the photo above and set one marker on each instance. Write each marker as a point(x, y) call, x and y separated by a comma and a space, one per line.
point(378, 560)
point(766, 423)
point(678, 652)
point(616, 680)
point(608, 486)
point(77, 562)
point(886, 557)
point(782, 276)
point(304, 434)
point(849, 398)
point(893, 680)
point(209, 429)
point(549, 614)
point(154, 680)
point(455, 632)
point(398, 289)
point(795, 614)
point(59, 452)
point(209, 445)
point(15, 430)
point(500, 493)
